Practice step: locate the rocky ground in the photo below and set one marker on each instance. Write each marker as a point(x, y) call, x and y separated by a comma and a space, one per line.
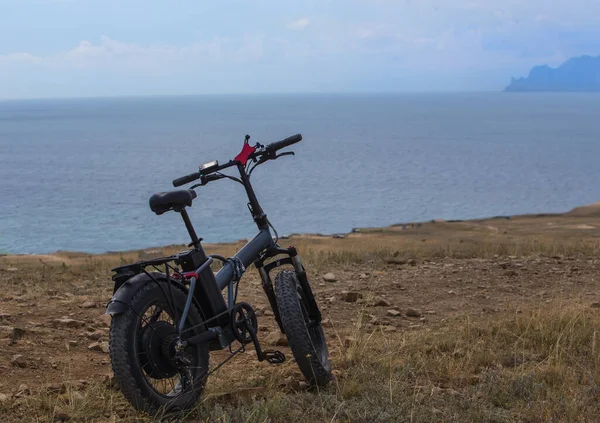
point(414, 333)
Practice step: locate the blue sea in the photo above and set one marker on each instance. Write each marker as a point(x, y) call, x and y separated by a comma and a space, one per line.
point(76, 174)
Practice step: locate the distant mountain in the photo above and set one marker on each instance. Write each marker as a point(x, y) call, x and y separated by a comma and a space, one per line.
point(579, 74)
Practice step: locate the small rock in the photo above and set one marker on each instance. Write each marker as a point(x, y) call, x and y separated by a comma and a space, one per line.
point(12, 269)
point(390, 329)
point(595, 305)
point(349, 341)
point(3, 399)
point(268, 312)
point(363, 276)
point(24, 390)
point(100, 347)
point(329, 277)
point(73, 343)
point(350, 296)
point(66, 323)
point(5, 316)
point(393, 313)
point(18, 360)
point(17, 333)
point(381, 302)
point(94, 336)
point(396, 261)
point(511, 273)
point(451, 292)
point(411, 312)
point(412, 262)
point(61, 415)
point(88, 304)
point(72, 396)
point(57, 388)
point(277, 338)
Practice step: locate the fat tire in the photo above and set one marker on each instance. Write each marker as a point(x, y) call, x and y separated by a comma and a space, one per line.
point(123, 354)
point(312, 359)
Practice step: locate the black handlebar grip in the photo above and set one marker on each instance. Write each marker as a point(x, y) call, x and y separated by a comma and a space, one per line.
point(277, 145)
point(186, 179)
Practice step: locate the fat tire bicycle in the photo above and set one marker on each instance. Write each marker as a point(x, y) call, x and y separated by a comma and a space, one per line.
point(168, 313)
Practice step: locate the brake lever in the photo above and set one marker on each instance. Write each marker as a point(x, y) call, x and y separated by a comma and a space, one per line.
point(287, 153)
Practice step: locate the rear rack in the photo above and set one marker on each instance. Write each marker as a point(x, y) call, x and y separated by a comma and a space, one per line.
point(137, 267)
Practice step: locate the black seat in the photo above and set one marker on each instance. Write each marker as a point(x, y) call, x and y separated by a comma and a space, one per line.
point(162, 202)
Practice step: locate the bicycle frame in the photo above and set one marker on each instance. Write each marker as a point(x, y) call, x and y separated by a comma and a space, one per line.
point(205, 288)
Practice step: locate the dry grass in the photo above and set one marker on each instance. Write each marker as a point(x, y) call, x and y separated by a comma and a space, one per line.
point(535, 367)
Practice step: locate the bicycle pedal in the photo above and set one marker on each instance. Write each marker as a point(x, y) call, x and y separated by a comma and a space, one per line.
point(274, 356)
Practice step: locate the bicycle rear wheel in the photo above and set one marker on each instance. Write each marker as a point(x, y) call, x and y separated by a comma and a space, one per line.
point(151, 375)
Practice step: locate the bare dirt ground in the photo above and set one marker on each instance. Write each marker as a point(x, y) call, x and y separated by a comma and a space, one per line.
point(489, 320)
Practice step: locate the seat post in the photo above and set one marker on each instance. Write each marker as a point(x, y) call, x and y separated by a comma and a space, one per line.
point(190, 228)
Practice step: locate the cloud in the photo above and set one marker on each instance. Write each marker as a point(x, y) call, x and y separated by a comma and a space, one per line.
point(19, 58)
point(299, 24)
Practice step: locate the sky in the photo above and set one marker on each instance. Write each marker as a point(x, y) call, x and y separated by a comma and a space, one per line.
point(83, 48)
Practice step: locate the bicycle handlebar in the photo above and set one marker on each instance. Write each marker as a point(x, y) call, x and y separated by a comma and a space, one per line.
point(269, 150)
point(278, 145)
point(186, 179)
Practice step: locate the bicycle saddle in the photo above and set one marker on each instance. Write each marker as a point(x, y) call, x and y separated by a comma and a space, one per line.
point(162, 202)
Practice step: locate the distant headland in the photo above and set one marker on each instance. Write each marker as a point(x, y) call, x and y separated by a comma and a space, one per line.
point(579, 74)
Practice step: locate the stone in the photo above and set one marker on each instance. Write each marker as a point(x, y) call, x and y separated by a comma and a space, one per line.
point(66, 323)
point(511, 273)
point(277, 339)
point(24, 389)
point(350, 296)
point(411, 312)
point(349, 341)
point(3, 399)
point(72, 396)
point(393, 313)
point(381, 302)
point(595, 305)
point(18, 360)
point(12, 269)
point(5, 316)
point(363, 276)
point(302, 385)
point(268, 312)
point(96, 335)
point(73, 343)
point(16, 334)
point(100, 347)
point(56, 388)
point(329, 277)
point(89, 304)
point(412, 262)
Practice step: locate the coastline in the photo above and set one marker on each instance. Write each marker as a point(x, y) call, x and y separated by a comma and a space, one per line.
point(581, 223)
